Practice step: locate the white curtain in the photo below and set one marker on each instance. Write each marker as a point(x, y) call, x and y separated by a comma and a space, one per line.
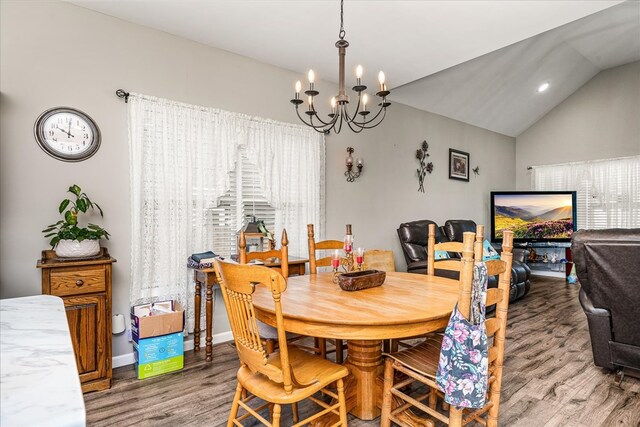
point(180, 159)
point(290, 162)
point(608, 191)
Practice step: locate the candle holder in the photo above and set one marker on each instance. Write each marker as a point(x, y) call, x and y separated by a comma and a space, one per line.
point(346, 264)
point(350, 173)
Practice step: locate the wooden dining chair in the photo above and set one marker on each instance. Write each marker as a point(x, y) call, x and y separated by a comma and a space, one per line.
point(282, 254)
point(267, 332)
point(420, 363)
point(449, 264)
point(314, 263)
point(376, 259)
point(284, 377)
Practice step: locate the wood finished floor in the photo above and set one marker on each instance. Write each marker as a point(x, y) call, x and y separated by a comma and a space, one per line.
point(549, 379)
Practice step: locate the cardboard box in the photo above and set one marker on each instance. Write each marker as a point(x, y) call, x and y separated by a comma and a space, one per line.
point(159, 355)
point(153, 349)
point(160, 367)
point(156, 319)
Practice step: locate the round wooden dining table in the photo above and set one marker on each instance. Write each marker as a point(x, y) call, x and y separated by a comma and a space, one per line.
point(405, 305)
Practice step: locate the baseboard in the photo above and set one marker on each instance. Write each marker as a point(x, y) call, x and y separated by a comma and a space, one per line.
point(129, 359)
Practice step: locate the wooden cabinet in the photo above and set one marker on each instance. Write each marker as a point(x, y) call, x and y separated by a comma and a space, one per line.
point(85, 287)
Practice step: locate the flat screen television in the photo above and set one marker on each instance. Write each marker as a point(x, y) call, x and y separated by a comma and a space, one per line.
point(533, 216)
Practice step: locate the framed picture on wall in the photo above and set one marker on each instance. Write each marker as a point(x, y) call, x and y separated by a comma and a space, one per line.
point(458, 165)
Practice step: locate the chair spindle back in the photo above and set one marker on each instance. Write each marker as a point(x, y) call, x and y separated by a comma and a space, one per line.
point(238, 283)
point(282, 254)
point(317, 246)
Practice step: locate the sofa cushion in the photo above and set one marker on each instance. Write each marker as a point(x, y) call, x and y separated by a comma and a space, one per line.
point(413, 238)
point(455, 228)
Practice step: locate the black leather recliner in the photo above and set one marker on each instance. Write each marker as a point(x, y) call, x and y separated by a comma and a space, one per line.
point(413, 239)
point(608, 268)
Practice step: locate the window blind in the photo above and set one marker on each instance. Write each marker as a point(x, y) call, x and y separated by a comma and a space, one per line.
point(230, 212)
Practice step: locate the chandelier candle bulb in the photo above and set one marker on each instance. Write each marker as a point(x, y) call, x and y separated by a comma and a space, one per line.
point(360, 162)
point(312, 77)
point(365, 99)
point(381, 79)
point(359, 75)
point(333, 105)
point(310, 103)
point(298, 89)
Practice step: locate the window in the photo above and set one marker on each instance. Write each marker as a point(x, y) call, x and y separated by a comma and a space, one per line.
point(196, 172)
point(244, 198)
point(608, 191)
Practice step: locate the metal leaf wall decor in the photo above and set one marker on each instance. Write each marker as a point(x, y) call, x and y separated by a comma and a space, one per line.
point(421, 155)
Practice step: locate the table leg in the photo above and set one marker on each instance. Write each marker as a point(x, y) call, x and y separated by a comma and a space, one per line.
point(364, 360)
point(362, 392)
point(196, 328)
point(209, 320)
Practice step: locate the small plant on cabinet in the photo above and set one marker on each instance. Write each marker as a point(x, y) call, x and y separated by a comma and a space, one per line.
point(69, 234)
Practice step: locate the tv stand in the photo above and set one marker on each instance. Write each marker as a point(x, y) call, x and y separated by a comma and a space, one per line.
point(546, 259)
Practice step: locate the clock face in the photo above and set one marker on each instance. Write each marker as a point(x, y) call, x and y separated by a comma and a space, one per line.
point(67, 134)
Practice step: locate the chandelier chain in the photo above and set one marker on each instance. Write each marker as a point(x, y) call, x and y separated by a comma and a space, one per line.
point(342, 31)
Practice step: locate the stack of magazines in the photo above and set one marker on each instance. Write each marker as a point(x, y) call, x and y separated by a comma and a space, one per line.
point(201, 260)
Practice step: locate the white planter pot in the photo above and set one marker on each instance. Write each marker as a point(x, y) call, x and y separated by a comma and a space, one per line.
point(75, 249)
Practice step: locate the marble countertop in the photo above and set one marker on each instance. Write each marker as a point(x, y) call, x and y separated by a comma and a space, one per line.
point(39, 383)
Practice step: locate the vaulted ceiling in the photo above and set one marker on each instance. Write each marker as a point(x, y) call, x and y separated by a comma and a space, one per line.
point(499, 91)
point(476, 61)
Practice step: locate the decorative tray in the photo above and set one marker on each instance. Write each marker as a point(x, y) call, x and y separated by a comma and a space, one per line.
point(358, 280)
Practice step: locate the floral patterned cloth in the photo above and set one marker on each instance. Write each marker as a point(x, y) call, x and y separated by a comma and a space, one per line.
point(463, 366)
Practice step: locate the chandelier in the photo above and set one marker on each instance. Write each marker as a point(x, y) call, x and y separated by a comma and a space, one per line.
point(358, 120)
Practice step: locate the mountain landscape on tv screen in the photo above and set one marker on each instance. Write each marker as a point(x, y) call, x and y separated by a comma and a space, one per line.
point(534, 222)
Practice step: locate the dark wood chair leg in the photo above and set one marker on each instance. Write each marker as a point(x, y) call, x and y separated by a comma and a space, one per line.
point(270, 346)
point(339, 351)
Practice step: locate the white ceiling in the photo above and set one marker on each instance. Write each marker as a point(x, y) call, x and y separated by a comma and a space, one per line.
point(407, 39)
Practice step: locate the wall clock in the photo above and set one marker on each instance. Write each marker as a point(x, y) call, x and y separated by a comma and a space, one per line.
point(67, 134)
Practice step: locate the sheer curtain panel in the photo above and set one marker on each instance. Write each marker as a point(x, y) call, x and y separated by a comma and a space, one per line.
point(290, 161)
point(608, 191)
point(181, 159)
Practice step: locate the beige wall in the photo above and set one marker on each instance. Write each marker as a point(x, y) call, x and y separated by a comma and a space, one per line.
point(600, 120)
point(55, 54)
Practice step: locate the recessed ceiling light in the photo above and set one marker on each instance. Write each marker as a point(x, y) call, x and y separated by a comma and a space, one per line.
point(544, 86)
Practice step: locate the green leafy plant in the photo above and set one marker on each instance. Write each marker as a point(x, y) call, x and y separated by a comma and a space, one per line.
point(67, 228)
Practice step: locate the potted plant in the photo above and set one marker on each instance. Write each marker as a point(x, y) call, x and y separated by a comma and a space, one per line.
point(67, 238)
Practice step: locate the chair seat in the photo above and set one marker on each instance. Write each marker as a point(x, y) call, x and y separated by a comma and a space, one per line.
point(422, 358)
point(268, 332)
point(307, 369)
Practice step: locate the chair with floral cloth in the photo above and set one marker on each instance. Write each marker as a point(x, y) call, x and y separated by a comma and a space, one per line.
point(421, 363)
point(453, 265)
